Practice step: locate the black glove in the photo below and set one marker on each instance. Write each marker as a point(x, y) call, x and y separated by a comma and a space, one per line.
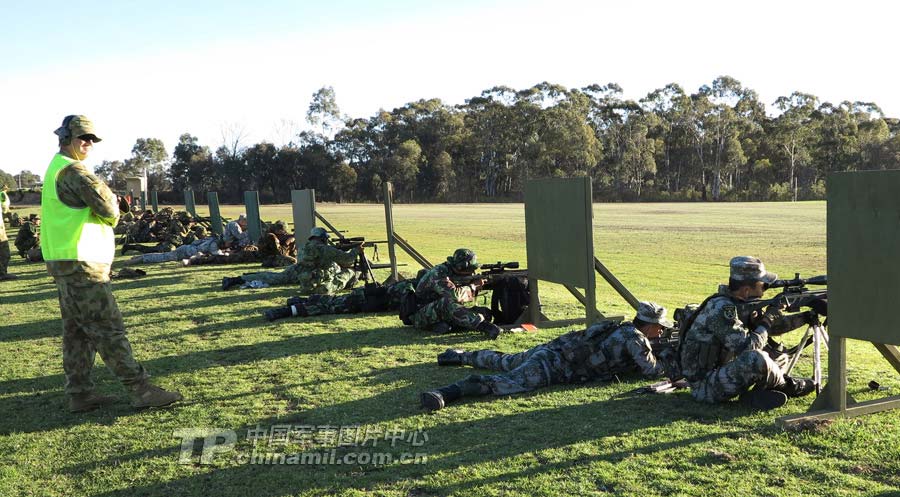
point(770, 315)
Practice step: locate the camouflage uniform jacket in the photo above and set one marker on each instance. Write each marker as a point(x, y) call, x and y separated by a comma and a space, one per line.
point(78, 188)
point(436, 284)
point(718, 333)
point(605, 349)
point(321, 262)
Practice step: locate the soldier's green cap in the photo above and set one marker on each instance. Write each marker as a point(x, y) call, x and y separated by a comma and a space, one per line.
point(76, 127)
point(747, 268)
point(650, 312)
point(318, 232)
point(463, 260)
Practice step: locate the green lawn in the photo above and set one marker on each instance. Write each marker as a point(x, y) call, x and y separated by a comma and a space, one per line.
point(239, 372)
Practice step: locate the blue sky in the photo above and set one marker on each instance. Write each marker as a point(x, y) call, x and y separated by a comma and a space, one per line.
point(159, 69)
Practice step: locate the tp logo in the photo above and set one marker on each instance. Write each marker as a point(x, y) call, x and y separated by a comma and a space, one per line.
point(215, 441)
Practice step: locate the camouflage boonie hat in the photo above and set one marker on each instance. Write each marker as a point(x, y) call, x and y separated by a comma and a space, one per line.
point(747, 268)
point(77, 126)
point(185, 216)
point(318, 232)
point(279, 225)
point(463, 260)
point(199, 230)
point(649, 312)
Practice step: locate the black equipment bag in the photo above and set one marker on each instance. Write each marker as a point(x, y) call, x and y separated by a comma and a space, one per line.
point(509, 298)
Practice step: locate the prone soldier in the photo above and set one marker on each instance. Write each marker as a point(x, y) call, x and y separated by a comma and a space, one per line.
point(603, 350)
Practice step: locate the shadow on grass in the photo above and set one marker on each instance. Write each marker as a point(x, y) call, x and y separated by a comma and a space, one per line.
point(50, 386)
point(449, 447)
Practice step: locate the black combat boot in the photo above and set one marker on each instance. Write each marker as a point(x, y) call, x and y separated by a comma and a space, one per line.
point(285, 312)
point(450, 357)
point(438, 399)
point(763, 399)
point(485, 312)
point(125, 248)
point(796, 387)
point(441, 328)
point(297, 300)
point(278, 313)
point(228, 282)
point(491, 330)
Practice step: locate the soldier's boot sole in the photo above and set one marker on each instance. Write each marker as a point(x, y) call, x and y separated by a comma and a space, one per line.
point(433, 400)
point(89, 402)
point(763, 400)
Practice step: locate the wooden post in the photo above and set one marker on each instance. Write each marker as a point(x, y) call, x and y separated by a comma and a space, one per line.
point(154, 201)
point(389, 222)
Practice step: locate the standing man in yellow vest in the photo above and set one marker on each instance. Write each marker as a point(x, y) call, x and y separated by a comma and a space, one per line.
point(79, 213)
point(4, 241)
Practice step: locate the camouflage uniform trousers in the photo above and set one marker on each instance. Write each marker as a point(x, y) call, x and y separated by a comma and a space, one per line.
point(349, 303)
point(332, 281)
point(239, 257)
point(92, 323)
point(4, 250)
point(538, 367)
point(358, 301)
point(182, 252)
point(751, 367)
point(4, 257)
point(446, 310)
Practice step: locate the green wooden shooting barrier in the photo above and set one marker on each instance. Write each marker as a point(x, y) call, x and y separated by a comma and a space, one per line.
point(560, 242)
point(863, 249)
point(863, 283)
point(303, 203)
point(215, 216)
point(154, 201)
point(254, 223)
point(189, 204)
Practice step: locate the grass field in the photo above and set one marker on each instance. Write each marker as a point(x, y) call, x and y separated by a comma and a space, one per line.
point(241, 373)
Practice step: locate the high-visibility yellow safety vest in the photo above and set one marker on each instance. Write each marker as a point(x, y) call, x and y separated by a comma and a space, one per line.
point(69, 234)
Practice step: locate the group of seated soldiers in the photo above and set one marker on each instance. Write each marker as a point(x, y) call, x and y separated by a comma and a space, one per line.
point(168, 236)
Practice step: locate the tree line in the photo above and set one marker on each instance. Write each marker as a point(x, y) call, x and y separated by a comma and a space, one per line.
point(717, 143)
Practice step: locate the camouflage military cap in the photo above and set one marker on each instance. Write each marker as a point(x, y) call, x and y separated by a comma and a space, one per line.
point(34, 216)
point(746, 268)
point(199, 230)
point(650, 312)
point(77, 126)
point(318, 232)
point(184, 215)
point(279, 225)
point(167, 210)
point(463, 260)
